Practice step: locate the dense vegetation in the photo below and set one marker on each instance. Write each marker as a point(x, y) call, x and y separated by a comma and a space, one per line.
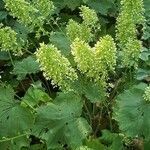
point(74, 75)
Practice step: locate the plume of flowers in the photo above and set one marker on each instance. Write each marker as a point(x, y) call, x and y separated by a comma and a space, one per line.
point(95, 62)
point(29, 14)
point(131, 14)
point(44, 7)
point(146, 95)
point(132, 51)
point(8, 40)
point(105, 52)
point(83, 56)
point(23, 10)
point(89, 16)
point(55, 66)
point(84, 30)
point(76, 30)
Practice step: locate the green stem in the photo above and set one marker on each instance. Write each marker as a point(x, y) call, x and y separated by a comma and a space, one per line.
point(30, 106)
point(110, 122)
point(11, 58)
point(99, 120)
point(94, 108)
point(29, 52)
point(88, 112)
point(13, 138)
point(48, 87)
point(32, 79)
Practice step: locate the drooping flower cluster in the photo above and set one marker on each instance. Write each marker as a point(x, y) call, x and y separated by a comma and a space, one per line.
point(83, 30)
point(131, 15)
point(146, 95)
point(95, 62)
point(8, 40)
point(55, 66)
point(28, 14)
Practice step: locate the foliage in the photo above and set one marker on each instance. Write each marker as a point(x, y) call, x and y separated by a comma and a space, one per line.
point(60, 122)
point(13, 116)
point(25, 66)
point(74, 75)
point(131, 111)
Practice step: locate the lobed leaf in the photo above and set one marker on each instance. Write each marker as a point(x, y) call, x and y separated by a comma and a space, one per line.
point(26, 66)
point(59, 123)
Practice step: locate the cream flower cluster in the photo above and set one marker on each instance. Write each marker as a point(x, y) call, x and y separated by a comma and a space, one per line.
point(75, 30)
point(22, 10)
point(105, 52)
point(131, 15)
point(44, 7)
point(30, 14)
point(55, 66)
point(147, 94)
point(132, 51)
point(95, 62)
point(83, 56)
point(83, 30)
point(8, 40)
point(89, 16)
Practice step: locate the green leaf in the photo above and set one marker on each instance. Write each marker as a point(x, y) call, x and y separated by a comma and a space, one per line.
point(34, 97)
point(26, 66)
point(2, 5)
point(72, 4)
point(22, 32)
point(84, 148)
point(15, 120)
point(16, 144)
point(113, 140)
point(60, 40)
point(101, 6)
point(38, 147)
point(142, 74)
point(146, 6)
point(14, 117)
point(146, 145)
point(145, 55)
point(146, 34)
point(132, 112)
point(3, 15)
point(92, 91)
point(59, 123)
point(4, 55)
point(58, 5)
point(95, 144)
